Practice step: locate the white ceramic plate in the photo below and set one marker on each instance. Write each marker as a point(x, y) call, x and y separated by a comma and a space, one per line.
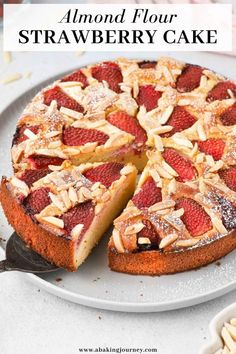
point(95, 285)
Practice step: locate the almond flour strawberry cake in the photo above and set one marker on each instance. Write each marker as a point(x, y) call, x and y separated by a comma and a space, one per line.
point(81, 141)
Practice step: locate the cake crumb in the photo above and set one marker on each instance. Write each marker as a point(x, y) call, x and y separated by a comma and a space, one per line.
point(99, 317)
point(218, 264)
point(58, 279)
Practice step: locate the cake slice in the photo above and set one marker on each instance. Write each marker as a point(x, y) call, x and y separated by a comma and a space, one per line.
point(62, 214)
point(180, 217)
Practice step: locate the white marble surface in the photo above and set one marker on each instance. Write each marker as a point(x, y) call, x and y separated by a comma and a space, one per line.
point(33, 321)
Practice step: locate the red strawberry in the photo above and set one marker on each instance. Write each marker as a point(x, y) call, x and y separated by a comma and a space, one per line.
point(62, 99)
point(196, 220)
point(106, 173)
point(180, 119)
point(76, 76)
point(37, 201)
point(148, 195)
point(180, 164)
point(31, 176)
point(80, 214)
point(220, 91)
point(109, 72)
point(79, 136)
point(19, 135)
point(229, 116)
point(42, 162)
point(147, 64)
point(213, 147)
point(149, 231)
point(148, 97)
point(129, 124)
point(229, 177)
point(189, 79)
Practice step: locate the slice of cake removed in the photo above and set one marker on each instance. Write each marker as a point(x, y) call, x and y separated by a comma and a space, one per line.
point(63, 214)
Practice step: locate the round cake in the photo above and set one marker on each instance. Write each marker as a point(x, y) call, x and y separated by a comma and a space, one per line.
point(80, 143)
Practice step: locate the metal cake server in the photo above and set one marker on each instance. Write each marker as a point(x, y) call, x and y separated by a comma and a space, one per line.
point(20, 257)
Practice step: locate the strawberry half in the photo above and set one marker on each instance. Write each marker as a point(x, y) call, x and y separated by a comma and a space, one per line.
point(189, 79)
point(229, 177)
point(79, 136)
point(80, 214)
point(148, 97)
point(19, 135)
point(180, 119)
point(63, 100)
point(180, 164)
point(76, 76)
point(31, 176)
point(220, 91)
point(228, 117)
point(149, 231)
point(106, 173)
point(42, 162)
point(129, 124)
point(109, 72)
point(196, 220)
point(148, 195)
point(213, 147)
point(147, 64)
point(37, 201)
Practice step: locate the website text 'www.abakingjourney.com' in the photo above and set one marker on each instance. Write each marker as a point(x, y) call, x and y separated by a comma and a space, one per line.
point(118, 350)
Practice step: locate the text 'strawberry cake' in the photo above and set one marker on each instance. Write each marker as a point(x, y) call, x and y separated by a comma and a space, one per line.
point(74, 152)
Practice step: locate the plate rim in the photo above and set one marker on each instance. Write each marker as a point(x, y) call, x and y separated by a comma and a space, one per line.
point(103, 303)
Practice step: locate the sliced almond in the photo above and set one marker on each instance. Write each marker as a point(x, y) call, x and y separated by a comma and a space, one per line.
point(21, 185)
point(126, 170)
point(71, 113)
point(172, 186)
point(54, 221)
point(29, 134)
point(233, 321)
point(162, 129)
point(52, 134)
point(166, 204)
point(228, 340)
point(186, 243)
point(54, 144)
point(163, 172)
point(76, 231)
point(168, 240)
point(134, 229)
point(166, 115)
point(65, 197)
point(201, 132)
point(56, 201)
point(73, 195)
point(118, 241)
point(217, 166)
point(231, 330)
point(144, 241)
point(169, 169)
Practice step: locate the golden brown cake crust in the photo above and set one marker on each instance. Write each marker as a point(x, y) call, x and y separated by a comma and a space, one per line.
point(53, 248)
point(160, 263)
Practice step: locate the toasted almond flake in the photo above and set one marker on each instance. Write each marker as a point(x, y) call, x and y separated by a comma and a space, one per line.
point(172, 186)
point(169, 169)
point(11, 78)
point(52, 134)
point(95, 186)
point(65, 197)
point(52, 108)
point(134, 229)
point(73, 195)
point(203, 82)
point(105, 197)
point(29, 134)
point(118, 241)
point(180, 139)
point(76, 231)
point(155, 175)
point(162, 172)
point(126, 170)
point(7, 57)
point(144, 241)
point(47, 152)
point(54, 144)
point(158, 143)
point(168, 240)
point(217, 166)
point(54, 221)
point(56, 201)
point(71, 113)
point(228, 339)
point(164, 117)
point(201, 132)
point(187, 243)
point(162, 129)
point(166, 204)
point(88, 147)
point(184, 102)
point(230, 93)
point(19, 184)
point(54, 167)
point(16, 153)
point(194, 150)
point(210, 161)
point(200, 157)
point(135, 89)
point(217, 185)
point(178, 213)
point(218, 224)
